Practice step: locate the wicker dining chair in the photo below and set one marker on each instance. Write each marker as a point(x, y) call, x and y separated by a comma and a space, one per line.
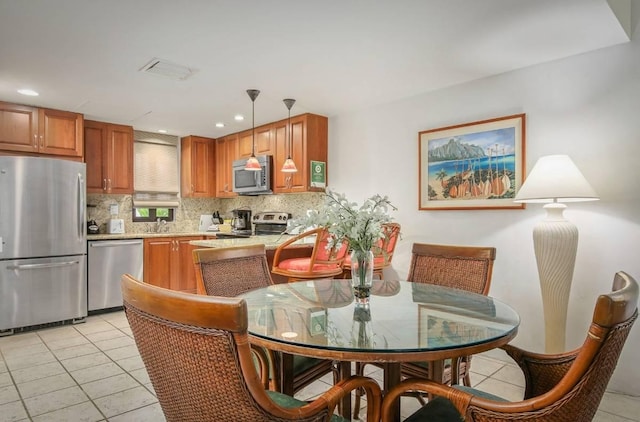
point(196, 351)
point(462, 267)
point(560, 387)
point(326, 260)
point(232, 271)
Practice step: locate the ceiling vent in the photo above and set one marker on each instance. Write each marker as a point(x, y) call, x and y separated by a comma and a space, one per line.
point(167, 69)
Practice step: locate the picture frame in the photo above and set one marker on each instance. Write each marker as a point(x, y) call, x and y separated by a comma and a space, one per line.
point(472, 166)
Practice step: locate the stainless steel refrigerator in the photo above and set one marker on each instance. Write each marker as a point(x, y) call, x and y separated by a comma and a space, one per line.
point(43, 247)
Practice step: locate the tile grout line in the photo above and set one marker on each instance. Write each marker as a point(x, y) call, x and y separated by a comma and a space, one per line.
point(60, 361)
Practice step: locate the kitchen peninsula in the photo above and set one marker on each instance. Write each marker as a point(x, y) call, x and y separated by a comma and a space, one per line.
point(299, 249)
point(168, 260)
point(270, 242)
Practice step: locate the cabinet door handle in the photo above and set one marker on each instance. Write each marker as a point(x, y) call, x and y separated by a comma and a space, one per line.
point(104, 184)
point(109, 184)
point(35, 141)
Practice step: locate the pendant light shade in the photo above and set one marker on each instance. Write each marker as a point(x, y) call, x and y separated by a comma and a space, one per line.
point(252, 163)
point(289, 166)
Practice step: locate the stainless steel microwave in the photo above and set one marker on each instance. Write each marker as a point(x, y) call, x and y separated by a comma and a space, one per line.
point(248, 182)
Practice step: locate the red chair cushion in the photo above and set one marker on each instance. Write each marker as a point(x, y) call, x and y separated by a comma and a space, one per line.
point(302, 264)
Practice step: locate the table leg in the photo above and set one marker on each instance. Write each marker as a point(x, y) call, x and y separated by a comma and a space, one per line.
point(285, 372)
point(455, 371)
point(391, 379)
point(344, 372)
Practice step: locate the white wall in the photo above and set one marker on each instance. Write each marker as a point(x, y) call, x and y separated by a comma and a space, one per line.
point(587, 106)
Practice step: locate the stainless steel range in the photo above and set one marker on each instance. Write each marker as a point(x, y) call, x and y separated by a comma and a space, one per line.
point(270, 222)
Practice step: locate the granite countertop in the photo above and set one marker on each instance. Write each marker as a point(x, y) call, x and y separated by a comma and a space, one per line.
point(269, 241)
point(145, 235)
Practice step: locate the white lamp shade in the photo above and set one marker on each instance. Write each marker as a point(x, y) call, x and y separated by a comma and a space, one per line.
point(555, 178)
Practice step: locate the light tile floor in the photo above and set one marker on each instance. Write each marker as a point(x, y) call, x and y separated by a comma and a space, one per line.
point(92, 372)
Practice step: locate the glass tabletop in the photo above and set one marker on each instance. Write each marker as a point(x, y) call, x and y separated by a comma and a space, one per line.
point(400, 317)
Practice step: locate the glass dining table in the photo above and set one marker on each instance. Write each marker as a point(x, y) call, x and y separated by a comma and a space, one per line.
point(401, 322)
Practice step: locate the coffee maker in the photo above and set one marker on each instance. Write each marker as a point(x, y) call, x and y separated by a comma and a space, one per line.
point(241, 222)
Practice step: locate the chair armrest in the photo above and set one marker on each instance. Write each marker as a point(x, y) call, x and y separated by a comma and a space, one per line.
point(334, 395)
point(467, 404)
point(541, 372)
point(264, 364)
point(459, 399)
point(282, 246)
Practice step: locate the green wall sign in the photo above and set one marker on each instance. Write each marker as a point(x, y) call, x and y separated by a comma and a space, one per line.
point(318, 174)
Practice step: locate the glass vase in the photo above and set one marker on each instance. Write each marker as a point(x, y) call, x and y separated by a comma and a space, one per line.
point(362, 273)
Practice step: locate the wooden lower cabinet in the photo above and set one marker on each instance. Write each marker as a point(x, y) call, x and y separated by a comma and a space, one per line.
point(168, 262)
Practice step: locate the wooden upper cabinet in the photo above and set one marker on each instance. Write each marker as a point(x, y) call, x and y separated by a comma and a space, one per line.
point(40, 130)
point(265, 144)
point(245, 141)
point(264, 140)
point(226, 152)
point(109, 157)
point(197, 167)
point(60, 132)
point(310, 142)
point(18, 128)
point(280, 132)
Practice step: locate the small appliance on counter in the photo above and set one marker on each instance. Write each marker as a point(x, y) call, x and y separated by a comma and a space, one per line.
point(93, 227)
point(241, 222)
point(271, 222)
point(115, 226)
point(240, 225)
point(210, 222)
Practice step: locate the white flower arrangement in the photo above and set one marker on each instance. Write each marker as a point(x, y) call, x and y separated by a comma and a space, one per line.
point(360, 225)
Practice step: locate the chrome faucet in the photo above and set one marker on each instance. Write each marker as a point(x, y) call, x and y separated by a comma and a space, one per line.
point(160, 225)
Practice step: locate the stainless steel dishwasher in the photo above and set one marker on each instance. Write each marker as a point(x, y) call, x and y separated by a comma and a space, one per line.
point(107, 260)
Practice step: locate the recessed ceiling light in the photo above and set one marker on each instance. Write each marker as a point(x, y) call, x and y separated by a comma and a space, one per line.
point(162, 131)
point(219, 124)
point(29, 92)
point(238, 117)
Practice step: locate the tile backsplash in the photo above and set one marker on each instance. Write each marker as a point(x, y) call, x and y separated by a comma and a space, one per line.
point(188, 214)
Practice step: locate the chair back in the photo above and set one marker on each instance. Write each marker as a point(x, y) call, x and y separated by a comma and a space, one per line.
point(196, 351)
point(324, 253)
point(230, 272)
point(326, 258)
point(386, 246)
point(461, 267)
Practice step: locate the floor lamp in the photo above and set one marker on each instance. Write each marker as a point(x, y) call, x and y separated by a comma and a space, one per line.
point(555, 179)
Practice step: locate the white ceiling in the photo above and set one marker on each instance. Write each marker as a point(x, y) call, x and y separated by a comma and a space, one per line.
point(332, 56)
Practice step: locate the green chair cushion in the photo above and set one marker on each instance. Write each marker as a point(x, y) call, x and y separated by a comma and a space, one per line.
point(302, 363)
point(289, 402)
point(440, 409)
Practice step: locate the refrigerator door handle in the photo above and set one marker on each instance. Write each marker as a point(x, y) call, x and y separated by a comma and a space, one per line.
point(38, 266)
point(81, 207)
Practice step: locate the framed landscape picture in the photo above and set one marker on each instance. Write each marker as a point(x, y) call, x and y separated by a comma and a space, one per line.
point(478, 165)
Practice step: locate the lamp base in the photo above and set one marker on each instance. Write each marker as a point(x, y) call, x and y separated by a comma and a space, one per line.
point(555, 241)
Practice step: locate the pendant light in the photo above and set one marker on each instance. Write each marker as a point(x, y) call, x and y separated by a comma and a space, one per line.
point(252, 163)
point(289, 166)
